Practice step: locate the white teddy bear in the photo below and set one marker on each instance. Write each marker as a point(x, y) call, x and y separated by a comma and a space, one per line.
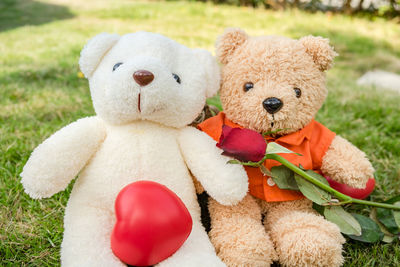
point(145, 89)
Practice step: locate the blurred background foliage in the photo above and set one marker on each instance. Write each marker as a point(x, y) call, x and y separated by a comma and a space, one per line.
point(371, 8)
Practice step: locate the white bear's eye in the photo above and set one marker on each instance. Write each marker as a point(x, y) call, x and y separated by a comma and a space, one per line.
point(297, 91)
point(117, 65)
point(177, 78)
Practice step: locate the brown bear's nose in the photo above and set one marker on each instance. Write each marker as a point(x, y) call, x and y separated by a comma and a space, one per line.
point(272, 105)
point(143, 77)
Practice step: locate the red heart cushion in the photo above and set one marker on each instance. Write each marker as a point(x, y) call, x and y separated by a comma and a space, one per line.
point(152, 223)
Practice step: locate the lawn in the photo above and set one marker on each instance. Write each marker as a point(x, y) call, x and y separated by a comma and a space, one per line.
point(42, 90)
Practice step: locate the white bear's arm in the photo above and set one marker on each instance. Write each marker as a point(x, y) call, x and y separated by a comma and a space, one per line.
point(55, 162)
point(226, 183)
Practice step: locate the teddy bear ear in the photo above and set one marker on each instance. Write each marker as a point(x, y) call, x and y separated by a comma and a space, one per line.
point(228, 42)
point(320, 51)
point(212, 71)
point(94, 51)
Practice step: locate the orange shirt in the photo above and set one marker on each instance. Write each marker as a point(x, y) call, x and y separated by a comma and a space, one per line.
point(311, 142)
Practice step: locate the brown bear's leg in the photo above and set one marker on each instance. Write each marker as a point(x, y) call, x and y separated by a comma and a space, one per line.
point(301, 236)
point(238, 235)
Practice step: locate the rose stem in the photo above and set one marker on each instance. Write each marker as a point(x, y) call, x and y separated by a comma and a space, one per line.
point(340, 196)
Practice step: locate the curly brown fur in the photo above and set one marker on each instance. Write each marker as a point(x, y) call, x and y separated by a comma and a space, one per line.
point(306, 239)
point(301, 236)
point(276, 66)
point(347, 164)
point(238, 234)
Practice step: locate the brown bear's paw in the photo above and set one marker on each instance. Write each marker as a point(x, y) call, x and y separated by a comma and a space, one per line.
point(346, 164)
point(306, 239)
point(247, 245)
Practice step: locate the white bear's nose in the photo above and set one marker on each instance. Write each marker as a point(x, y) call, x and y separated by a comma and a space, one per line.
point(143, 77)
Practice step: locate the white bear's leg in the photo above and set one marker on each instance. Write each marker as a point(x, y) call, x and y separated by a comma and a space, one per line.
point(197, 251)
point(87, 237)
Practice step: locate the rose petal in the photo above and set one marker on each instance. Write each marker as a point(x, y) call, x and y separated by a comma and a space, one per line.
point(225, 132)
point(242, 144)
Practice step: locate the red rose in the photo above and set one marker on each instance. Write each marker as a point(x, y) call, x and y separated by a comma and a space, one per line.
point(242, 144)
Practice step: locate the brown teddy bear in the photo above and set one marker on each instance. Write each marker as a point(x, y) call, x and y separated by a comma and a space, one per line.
point(271, 83)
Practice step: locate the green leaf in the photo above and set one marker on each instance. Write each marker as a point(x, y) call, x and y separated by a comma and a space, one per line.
point(274, 148)
point(320, 209)
point(393, 200)
point(283, 178)
point(388, 238)
point(317, 176)
point(347, 223)
point(370, 232)
point(396, 214)
point(386, 217)
point(373, 216)
point(311, 191)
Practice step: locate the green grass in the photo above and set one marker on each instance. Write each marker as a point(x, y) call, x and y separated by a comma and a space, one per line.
point(41, 91)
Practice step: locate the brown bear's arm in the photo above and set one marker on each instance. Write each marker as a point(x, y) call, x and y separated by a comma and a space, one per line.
point(346, 164)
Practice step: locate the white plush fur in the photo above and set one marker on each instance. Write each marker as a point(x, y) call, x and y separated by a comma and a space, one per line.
point(213, 73)
point(229, 186)
point(122, 145)
point(62, 156)
point(94, 50)
point(115, 95)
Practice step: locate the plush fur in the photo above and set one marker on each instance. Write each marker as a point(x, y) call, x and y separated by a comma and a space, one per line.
point(122, 145)
point(294, 233)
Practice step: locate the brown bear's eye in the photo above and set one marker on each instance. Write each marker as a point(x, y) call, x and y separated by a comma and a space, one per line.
point(298, 92)
point(248, 86)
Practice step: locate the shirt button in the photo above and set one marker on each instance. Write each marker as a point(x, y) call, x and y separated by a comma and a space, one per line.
point(270, 182)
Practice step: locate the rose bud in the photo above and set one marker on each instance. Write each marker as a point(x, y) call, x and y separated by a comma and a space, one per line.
point(242, 144)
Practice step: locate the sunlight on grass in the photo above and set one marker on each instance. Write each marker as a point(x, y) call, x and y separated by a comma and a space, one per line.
point(41, 91)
